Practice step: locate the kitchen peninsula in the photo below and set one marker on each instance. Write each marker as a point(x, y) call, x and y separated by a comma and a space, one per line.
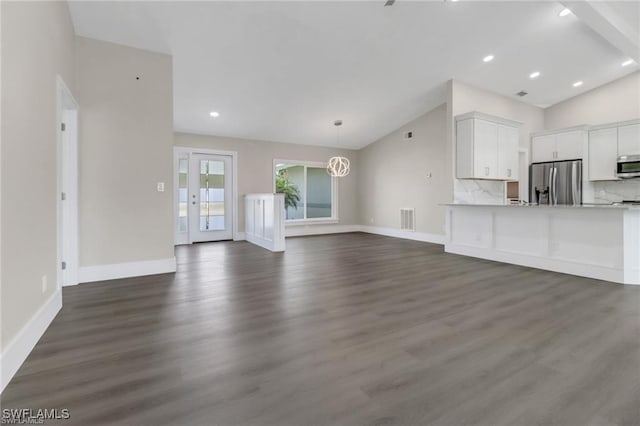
point(596, 241)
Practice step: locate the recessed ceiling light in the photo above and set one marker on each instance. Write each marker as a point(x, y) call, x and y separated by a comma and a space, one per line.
point(487, 58)
point(534, 75)
point(577, 84)
point(453, 1)
point(564, 12)
point(214, 114)
point(627, 62)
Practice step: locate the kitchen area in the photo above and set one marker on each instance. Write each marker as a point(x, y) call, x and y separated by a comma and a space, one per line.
point(570, 204)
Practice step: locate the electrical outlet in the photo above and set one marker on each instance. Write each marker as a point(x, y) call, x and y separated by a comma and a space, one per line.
point(160, 186)
point(371, 220)
point(44, 284)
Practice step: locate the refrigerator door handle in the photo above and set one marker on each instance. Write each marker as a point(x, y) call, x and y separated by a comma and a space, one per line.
point(555, 186)
point(550, 194)
point(574, 183)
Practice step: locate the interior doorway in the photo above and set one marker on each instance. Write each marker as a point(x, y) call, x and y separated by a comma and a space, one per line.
point(67, 184)
point(205, 195)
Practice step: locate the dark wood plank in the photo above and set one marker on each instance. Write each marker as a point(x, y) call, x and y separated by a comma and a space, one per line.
point(340, 329)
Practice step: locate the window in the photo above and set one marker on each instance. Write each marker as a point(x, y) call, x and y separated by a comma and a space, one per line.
point(309, 192)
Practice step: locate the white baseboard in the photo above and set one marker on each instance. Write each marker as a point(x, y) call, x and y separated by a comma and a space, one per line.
point(19, 348)
point(408, 235)
point(114, 271)
point(271, 245)
point(302, 230)
point(598, 272)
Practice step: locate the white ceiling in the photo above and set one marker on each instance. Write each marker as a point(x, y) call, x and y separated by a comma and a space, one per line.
point(628, 12)
point(284, 71)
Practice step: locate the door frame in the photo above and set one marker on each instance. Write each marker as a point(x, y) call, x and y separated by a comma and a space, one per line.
point(196, 233)
point(67, 181)
point(179, 151)
point(523, 184)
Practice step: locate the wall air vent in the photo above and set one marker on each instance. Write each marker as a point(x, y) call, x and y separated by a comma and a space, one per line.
point(521, 93)
point(407, 219)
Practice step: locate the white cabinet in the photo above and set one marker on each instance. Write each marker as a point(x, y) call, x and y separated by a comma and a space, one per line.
point(603, 152)
point(543, 148)
point(629, 140)
point(508, 145)
point(569, 145)
point(558, 146)
point(609, 141)
point(486, 147)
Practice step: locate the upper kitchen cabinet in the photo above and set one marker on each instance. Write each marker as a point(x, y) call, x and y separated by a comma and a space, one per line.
point(543, 148)
point(603, 152)
point(607, 143)
point(486, 147)
point(629, 139)
point(508, 146)
point(570, 145)
point(558, 145)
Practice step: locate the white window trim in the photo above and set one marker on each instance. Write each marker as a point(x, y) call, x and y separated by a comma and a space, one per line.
point(334, 193)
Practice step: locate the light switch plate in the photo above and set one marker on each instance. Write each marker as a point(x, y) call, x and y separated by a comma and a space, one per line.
point(160, 186)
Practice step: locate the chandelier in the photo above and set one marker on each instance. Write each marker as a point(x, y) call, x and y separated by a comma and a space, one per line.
point(338, 166)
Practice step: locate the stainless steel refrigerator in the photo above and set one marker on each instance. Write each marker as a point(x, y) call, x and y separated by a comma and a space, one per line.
point(559, 182)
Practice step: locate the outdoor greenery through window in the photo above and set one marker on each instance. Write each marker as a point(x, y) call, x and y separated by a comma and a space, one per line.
point(307, 189)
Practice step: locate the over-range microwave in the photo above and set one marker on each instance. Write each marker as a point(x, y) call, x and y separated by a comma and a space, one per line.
point(628, 166)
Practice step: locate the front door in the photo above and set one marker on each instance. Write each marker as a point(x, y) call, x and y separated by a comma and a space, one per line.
point(210, 198)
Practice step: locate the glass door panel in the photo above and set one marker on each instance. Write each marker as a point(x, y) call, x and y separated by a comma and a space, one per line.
point(183, 194)
point(212, 206)
point(210, 197)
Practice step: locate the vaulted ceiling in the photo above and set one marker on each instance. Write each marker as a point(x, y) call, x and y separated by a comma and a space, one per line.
point(284, 71)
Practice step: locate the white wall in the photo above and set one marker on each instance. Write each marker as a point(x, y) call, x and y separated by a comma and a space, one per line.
point(126, 147)
point(393, 175)
point(615, 101)
point(37, 43)
point(255, 168)
point(465, 98)
point(610, 103)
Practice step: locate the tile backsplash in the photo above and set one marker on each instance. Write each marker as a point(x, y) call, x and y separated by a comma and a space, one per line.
point(492, 192)
point(615, 191)
point(478, 191)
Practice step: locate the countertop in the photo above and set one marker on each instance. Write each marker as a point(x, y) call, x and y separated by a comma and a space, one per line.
point(546, 206)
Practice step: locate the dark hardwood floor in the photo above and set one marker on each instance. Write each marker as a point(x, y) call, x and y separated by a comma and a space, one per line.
point(350, 329)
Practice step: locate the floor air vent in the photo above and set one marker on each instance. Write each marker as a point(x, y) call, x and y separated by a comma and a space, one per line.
point(407, 222)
